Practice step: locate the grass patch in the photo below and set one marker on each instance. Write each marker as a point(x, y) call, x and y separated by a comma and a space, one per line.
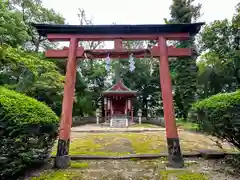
point(146, 144)
point(144, 125)
point(78, 165)
point(192, 176)
point(92, 144)
point(186, 125)
point(182, 175)
point(56, 175)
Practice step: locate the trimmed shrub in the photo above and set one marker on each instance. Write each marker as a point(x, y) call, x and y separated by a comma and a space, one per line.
point(28, 129)
point(219, 116)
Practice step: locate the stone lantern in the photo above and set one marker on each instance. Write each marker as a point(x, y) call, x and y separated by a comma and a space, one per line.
point(97, 115)
point(140, 116)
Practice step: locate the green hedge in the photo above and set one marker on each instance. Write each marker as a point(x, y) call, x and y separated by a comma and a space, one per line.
point(28, 129)
point(219, 116)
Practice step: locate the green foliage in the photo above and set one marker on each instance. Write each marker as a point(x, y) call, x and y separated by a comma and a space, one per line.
point(219, 64)
point(184, 124)
point(28, 129)
point(90, 82)
point(219, 116)
point(184, 11)
point(36, 77)
point(144, 79)
point(32, 11)
point(12, 28)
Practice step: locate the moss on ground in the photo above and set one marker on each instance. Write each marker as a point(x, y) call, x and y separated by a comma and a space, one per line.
point(78, 164)
point(182, 175)
point(146, 144)
point(187, 125)
point(57, 175)
point(192, 176)
point(144, 125)
point(92, 144)
point(117, 144)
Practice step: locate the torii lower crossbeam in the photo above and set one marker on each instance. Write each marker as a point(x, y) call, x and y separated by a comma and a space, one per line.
point(122, 53)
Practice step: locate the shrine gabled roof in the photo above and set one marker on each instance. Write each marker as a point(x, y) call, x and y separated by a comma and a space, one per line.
point(141, 29)
point(119, 87)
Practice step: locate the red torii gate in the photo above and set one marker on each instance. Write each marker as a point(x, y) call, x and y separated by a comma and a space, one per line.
point(118, 33)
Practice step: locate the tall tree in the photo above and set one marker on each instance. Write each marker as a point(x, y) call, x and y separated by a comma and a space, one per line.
point(185, 69)
point(12, 27)
point(91, 75)
point(32, 11)
point(220, 63)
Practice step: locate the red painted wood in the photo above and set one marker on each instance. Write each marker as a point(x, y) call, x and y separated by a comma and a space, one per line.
point(67, 37)
point(66, 116)
point(118, 106)
point(166, 87)
point(118, 44)
point(51, 53)
point(113, 94)
point(124, 53)
point(117, 94)
point(173, 52)
point(119, 86)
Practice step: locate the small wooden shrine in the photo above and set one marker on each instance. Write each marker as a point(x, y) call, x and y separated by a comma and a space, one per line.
point(118, 102)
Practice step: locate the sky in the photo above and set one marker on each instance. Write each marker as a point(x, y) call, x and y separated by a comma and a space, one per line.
point(135, 11)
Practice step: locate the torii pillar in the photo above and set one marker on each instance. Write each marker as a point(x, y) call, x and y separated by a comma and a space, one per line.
point(62, 159)
point(175, 158)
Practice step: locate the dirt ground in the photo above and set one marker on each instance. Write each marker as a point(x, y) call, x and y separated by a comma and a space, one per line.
point(195, 169)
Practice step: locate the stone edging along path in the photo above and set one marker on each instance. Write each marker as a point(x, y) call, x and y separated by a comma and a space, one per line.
point(202, 154)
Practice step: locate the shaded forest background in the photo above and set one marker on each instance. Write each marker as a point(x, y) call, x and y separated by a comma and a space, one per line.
point(24, 68)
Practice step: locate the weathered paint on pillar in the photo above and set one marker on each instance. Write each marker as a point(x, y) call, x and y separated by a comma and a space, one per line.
point(175, 156)
point(62, 158)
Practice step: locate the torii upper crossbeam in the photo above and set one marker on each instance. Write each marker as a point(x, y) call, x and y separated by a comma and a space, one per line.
point(118, 33)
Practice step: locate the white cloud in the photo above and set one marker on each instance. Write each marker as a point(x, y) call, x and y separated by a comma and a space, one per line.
point(135, 11)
